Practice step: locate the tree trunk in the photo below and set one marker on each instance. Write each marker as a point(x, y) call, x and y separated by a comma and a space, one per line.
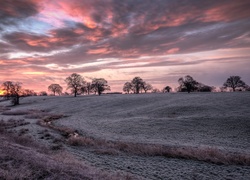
point(17, 100)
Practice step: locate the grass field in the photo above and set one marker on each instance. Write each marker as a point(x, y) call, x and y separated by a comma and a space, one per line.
point(148, 136)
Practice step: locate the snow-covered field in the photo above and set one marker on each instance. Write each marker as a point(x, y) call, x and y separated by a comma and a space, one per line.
point(217, 120)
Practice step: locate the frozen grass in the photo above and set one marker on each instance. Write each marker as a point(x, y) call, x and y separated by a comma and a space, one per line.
point(210, 119)
point(207, 154)
point(4, 108)
point(203, 153)
point(22, 158)
point(210, 127)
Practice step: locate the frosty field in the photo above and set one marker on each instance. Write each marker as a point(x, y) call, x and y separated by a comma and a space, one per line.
point(196, 120)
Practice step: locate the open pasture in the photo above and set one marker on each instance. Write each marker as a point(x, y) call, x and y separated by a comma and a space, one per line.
point(128, 133)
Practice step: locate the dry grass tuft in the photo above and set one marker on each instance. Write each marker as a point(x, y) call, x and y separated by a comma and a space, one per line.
point(11, 123)
point(207, 154)
point(52, 117)
point(80, 141)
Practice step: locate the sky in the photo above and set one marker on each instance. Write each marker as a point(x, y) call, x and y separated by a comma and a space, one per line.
point(44, 41)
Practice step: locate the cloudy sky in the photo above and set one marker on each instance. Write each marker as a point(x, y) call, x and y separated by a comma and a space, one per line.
point(44, 41)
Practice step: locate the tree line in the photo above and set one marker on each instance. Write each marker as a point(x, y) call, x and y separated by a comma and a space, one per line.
point(186, 84)
point(77, 86)
point(75, 83)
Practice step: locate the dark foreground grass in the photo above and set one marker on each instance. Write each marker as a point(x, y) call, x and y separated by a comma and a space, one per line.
point(24, 159)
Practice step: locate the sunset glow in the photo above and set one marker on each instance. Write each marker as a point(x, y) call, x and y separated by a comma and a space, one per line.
point(43, 42)
point(2, 92)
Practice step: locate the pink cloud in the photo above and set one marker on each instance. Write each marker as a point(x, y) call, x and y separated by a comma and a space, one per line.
point(98, 51)
point(173, 50)
point(227, 12)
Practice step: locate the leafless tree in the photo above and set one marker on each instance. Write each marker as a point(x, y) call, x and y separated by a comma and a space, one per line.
point(100, 85)
point(235, 82)
point(28, 92)
point(75, 82)
point(187, 84)
point(6, 86)
point(89, 87)
point(146, 87)
point(13, 91)
point(167, 89)
point(205, 88)
point(127, 87)
point(43, 93)
point(155, 90)
point(55, 88)
point(137, 83)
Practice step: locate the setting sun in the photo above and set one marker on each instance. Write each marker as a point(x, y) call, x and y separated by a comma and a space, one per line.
point(1, 92)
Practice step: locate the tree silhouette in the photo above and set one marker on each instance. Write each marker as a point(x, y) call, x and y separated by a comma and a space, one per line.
point(137, 83)
point(187, 84)
point(28, 92)
point(167, 89)
point(146, 87)
point(205, 88)
point(235, 82)
point(100, 85)
point(43, 93)
point(55, 88)
point(7, 88)
point(88, 88)
point(75, 82)
point(13, 91)
point(155, 90)
point(127, 87)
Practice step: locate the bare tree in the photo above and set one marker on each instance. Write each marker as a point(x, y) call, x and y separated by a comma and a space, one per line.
point(28, 92)
point(13, 91)
point(75, 82)
point(16, 91)
point(7, 88)
point(205, 88)
point(100, 85)
point(89, 88)
point(187, 84)
point(55, 88)
point(43, 93)
point(127, 87)
point(222, 89)
point(167, 89)
point(137, 83)
point(155, 90)
point(234, 82)
point(146, 87)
